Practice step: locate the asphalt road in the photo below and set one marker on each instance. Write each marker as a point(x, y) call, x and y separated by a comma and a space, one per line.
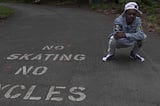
point(51, 56)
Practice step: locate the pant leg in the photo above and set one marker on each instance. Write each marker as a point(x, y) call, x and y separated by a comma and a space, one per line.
point(112, 45)
point(137, 47)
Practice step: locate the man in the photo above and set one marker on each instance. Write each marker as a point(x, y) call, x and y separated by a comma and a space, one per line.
point(127, 32)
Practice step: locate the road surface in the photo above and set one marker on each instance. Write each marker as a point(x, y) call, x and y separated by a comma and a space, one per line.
point(51, 56)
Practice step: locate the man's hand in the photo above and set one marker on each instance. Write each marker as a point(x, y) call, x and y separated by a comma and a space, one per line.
point(119, 35)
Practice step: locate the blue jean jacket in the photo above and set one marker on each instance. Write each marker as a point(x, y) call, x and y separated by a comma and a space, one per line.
point(133, 32)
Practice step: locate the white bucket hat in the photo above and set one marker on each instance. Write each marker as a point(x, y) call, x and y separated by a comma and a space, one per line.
point(131, 5)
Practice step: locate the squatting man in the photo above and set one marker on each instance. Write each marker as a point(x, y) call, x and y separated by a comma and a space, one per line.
point(127, 32)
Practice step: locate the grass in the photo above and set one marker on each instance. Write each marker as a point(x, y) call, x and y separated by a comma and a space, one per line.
point(16, 1)
point(5, 12)
point(69, 2)
point(106, 6)
point(152, 14)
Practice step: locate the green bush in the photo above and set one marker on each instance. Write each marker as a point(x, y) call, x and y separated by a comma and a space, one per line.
point(146, 2)
point(20, 1)
point(6, 12)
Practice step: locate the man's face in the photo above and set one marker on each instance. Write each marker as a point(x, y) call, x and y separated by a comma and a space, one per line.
point(130, 15)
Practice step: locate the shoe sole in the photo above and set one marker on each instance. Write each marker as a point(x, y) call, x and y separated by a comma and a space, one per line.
point(142, 60)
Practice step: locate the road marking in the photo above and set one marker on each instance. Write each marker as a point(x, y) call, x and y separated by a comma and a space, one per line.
point(52, 91)
point(52, 47)
point(35, 70)
point(75, 94)
point(29, 93)
point(8, 93)
point(3, 87)
point(81, 94)
point(46, 57)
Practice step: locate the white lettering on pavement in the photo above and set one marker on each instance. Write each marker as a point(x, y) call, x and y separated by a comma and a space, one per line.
point(52, 47)
point(8, 93)
point(74, 90)
point(3, 87)
point(46, 57)
point(28, 94)
point(35, 70)
point(54, 93)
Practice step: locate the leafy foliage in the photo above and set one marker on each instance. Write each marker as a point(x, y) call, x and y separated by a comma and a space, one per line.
point(5, 12)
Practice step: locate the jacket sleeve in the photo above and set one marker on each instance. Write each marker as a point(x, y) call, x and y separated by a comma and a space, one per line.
point(117, 26)
point(139, 34)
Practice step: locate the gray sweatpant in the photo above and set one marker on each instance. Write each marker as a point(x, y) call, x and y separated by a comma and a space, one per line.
point(114, 44)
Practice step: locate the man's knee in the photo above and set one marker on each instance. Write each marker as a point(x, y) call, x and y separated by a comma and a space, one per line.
point(112, 39)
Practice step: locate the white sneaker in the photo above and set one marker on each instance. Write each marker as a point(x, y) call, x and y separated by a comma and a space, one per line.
point(107, 57)
point(136, 57)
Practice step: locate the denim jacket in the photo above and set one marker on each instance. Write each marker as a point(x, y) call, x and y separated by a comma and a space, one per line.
point(133, 32)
